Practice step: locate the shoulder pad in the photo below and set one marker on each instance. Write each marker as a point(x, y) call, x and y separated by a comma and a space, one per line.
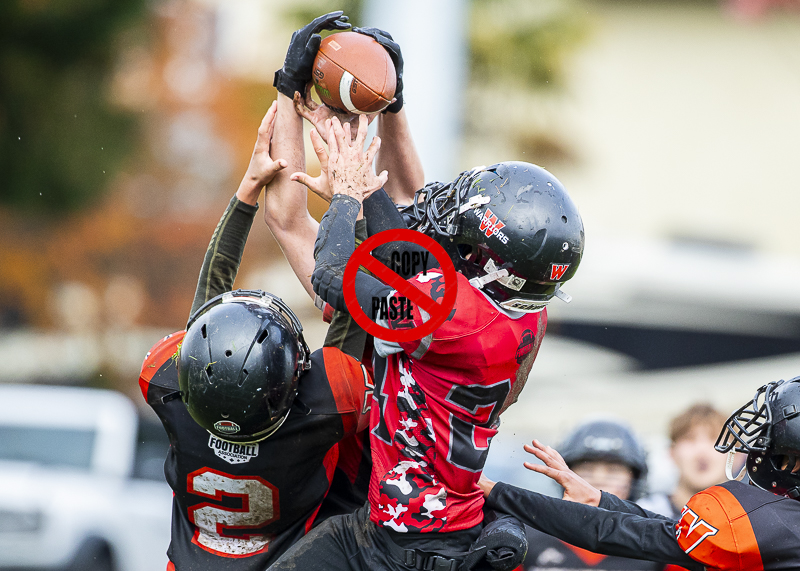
point(714, 530)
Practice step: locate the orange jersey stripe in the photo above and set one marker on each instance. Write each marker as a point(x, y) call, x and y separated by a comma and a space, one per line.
point(589, 558)
point(161, 352)
point(714, 530)
point(346, 380)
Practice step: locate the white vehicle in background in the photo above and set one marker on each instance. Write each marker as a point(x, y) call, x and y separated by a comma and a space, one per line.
point(75, 492)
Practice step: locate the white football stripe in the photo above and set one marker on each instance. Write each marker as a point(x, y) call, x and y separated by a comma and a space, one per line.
point(344, 91)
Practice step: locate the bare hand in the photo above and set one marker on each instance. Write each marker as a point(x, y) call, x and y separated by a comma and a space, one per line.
point(318, 114)
point(319, 185)
point(262, 169)
point(576, 489)
point(486, 485)
point(349, 166)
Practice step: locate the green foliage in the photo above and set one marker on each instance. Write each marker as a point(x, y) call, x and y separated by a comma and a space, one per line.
point(303, 11)
point(520, 41)
point(58, 132)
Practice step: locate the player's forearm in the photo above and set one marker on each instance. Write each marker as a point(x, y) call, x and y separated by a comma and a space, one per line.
point(612, 503)
point(344, 333)
point(297, 245)
point(224, 253)
point(332, 250)
point(285, 202)
point(249, 190)
point(398, 156)
point(593, 528)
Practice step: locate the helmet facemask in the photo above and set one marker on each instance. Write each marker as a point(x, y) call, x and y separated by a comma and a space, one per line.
point(766, 429)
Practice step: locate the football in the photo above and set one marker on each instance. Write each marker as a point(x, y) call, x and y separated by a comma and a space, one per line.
point(354, 73)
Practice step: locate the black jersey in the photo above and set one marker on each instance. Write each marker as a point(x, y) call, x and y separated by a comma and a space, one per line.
point(238, 506)
point(546, 553)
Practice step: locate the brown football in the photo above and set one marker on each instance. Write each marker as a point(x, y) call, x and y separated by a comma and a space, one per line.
point(354, 73)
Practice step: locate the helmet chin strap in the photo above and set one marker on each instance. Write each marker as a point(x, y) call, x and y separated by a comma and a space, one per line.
point(488, 278)
point(562, 295)
point(729, 467)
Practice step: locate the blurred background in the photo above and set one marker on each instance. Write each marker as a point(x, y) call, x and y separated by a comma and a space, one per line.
point(125, 126)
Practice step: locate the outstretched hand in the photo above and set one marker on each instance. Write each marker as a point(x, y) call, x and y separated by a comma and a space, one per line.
point(349, 167)
point(576, 489)
point(262, 168)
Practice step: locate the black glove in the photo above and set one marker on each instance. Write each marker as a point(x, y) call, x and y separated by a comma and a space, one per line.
point(303, 47)
point(385, 39)
point(501, 546)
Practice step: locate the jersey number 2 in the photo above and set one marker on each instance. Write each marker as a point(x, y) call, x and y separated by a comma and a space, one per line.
point(224, 530)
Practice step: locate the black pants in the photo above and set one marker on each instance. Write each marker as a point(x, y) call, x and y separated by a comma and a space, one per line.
point(353, 542)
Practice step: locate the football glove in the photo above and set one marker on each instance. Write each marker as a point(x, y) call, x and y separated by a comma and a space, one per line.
point(303, 47)
point(385, 39)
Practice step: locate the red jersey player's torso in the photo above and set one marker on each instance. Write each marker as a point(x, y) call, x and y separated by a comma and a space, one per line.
point(436, 408)
point(736, 526)
point(239, 506)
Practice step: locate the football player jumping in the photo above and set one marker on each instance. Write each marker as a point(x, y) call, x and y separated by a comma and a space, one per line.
point(515, 236)
point(257, 424)
point(729, 527)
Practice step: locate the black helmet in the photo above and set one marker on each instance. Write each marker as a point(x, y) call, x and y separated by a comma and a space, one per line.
point(608, 441)
point(510, 228)
point(239, 364)
point(767, 429)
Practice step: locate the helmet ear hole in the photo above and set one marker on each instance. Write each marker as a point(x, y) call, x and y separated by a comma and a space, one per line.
point(465, 251)
point(203, 331)
point(262, 336)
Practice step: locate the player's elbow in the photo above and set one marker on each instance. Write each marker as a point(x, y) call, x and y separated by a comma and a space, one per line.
point(327, 284)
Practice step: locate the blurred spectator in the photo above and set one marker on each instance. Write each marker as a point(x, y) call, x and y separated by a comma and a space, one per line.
point(608, 455)
point(692, 434)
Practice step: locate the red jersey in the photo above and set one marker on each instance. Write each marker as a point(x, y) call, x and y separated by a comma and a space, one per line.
point(436, 408)
point(735, 526)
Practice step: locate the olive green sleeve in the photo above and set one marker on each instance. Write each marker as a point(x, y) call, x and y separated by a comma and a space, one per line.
point(344, 333)
point(224, 253)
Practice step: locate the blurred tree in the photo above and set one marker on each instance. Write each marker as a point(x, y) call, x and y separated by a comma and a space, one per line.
point(60, 139)
point(518, 41)
point(302, 12)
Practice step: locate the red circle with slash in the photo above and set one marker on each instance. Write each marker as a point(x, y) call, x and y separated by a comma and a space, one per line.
point(438, 311)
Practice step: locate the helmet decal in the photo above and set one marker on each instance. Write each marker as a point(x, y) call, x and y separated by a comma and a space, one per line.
point(226, 427)
point(526, 345)
point(491, 226)
point(557, 271)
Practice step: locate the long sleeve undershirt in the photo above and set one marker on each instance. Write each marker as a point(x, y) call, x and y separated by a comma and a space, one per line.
point(633, 533)
point(221, 265)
